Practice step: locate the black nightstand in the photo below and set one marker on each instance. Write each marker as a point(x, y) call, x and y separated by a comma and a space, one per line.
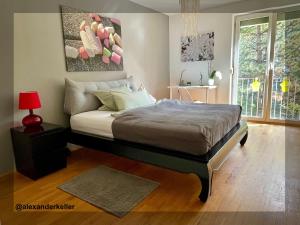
point(39, 151)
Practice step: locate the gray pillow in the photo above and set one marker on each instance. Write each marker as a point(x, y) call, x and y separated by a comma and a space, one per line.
point(79, 95)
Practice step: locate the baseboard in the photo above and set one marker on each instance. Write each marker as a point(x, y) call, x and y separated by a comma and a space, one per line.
point(73, 147)
point(281, 123)
point(7, 174)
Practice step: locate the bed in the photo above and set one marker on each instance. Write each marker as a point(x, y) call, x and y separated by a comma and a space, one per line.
point(100, 130)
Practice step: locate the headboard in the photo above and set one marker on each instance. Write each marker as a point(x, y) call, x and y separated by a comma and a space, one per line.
point(79, 97)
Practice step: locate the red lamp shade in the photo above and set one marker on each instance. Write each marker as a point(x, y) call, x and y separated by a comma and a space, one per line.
point(29, 100)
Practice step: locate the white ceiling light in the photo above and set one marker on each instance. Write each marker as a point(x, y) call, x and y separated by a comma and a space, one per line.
point(190, 17)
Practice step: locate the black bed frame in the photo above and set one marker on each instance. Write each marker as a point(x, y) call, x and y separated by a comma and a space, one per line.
point(202, 166)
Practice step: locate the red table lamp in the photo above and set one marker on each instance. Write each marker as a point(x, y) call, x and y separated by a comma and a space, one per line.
point(30, 100)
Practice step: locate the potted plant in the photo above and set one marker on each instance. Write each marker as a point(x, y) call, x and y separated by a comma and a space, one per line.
point(212, 76)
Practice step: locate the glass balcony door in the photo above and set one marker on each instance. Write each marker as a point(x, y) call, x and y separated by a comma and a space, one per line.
point(266, 80)
point(285, 99)
point(251, 65)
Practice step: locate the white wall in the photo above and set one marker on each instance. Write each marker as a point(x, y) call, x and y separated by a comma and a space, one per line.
point(220, 21)
point(39, 62)
point(221, 24)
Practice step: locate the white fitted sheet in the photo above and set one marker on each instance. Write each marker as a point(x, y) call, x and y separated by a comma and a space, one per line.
point(93, 122)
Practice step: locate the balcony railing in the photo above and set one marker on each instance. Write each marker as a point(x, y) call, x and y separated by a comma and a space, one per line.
point(285, 102)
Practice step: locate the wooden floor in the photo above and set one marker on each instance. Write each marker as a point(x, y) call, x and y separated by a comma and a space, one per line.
point(251, 184)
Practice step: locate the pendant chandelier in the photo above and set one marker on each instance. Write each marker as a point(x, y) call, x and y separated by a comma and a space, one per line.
point(189, 13)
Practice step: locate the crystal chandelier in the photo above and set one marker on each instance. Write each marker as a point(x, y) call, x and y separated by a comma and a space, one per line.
point(189, 13)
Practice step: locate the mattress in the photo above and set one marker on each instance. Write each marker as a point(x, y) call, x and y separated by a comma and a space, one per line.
point(93, 122)
point(184, 127)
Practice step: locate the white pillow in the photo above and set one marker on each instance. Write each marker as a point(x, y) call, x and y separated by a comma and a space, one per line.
point(152, 99)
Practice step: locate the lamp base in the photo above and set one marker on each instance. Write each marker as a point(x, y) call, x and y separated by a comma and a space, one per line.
point(32, 120)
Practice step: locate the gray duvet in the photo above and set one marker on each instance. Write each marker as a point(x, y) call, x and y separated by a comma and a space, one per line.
point(185, 127)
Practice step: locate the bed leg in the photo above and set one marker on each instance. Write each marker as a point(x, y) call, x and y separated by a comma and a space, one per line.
point(243, 141)
point(206, 182)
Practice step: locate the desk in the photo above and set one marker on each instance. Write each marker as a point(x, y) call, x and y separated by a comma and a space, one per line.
point(188, 88)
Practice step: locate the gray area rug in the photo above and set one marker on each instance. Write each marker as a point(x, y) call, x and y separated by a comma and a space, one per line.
point(112, 190)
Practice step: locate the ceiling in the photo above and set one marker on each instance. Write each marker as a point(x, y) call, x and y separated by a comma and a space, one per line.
point(172, 6)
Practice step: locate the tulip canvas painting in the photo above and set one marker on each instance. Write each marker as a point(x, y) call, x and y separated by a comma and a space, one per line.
point(92, 42)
